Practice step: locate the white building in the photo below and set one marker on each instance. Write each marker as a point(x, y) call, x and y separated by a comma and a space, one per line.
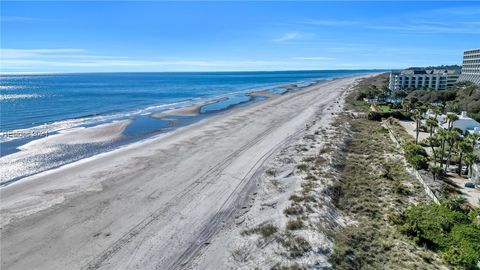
point(471, 66)
point(464, 123)
point(421, 78)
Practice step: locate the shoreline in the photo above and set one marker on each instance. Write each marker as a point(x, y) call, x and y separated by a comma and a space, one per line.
point(192, 110)
point(157, 123)
point(144, 187)
point(151, 139)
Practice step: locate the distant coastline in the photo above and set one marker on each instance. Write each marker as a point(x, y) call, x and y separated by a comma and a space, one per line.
point(192, 71)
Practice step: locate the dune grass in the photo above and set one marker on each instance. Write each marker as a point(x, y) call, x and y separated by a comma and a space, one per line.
point(373, 185)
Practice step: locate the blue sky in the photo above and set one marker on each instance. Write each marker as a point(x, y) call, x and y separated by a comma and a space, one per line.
point(105, 36)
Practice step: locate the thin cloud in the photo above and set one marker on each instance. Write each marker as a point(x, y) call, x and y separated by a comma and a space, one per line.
point(375, 50)
point(459, 11)
point(16, 19)
point(463, 21)
point(288, 37)
point(328, 22)
point(23, 59)
point(36, 53)
point(100, 62)
point(313, 58)
point(431, 28)
point(452, 20)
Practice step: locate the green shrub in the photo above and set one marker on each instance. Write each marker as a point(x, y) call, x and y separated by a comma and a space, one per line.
point(382, 130)
point(271, 172)
point(452, 232)
point(418, 162)
point(336, 192)
point(265, 230)
point(295, 266)
point(294, 224)
point(395, 218)
point(293, 209)
point(296, 198)
point(414, 149)
point(311, 177)
point(378, 116)
point(302, 167)
point(369, 91)
point(374, 116)
point(464, 249)
point(296, 246)
point(416, 156)
point(456, 203)
point(402, 189)
point(308, 159)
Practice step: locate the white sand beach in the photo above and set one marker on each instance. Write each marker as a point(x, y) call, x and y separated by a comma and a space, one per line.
point(158, 203)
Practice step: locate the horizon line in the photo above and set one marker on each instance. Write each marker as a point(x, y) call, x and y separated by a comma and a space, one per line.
point(236, 71)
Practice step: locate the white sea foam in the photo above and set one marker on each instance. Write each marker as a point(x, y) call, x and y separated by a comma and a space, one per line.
point(9, 87)
point(18, 96)
point(48, 152)
point(65, 125)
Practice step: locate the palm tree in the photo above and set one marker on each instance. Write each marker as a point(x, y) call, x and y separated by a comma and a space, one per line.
point(443, 135)
point(453, 136)
point(434, 141)
point(470, 159)
point(451, 117)
point(406, 105)
point(417, 116)
point(435, 171)
point(414, 102)
point(462, 147)
point(436, 110)
point(431, 123)
point(473, 139)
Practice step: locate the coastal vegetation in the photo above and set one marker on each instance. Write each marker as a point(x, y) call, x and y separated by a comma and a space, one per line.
point(448, 146)
point(451, 228)
point(357, 202)
point(463, 96)
point(265, 230)
point(373, 188)
point(367, 88)
point(416, 155)
point(396, 226)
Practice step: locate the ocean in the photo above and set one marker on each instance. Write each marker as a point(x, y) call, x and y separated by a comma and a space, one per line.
point(38, 112)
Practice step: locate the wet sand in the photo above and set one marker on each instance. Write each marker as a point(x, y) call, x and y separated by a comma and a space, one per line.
point(263, 94)
point(193, 110)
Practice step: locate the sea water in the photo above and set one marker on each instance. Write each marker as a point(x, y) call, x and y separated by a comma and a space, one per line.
point(33, 107)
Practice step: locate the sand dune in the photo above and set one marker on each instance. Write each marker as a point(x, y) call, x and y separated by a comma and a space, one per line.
point(156, 203)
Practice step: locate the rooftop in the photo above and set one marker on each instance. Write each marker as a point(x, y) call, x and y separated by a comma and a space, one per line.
point(472, 50)
point(454, 69)
point(430, 71)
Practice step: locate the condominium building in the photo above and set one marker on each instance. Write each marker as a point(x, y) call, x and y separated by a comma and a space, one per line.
point(471, 66)
point(424, 78)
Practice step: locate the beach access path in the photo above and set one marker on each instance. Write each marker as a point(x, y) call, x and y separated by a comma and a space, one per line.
point(153, 204)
